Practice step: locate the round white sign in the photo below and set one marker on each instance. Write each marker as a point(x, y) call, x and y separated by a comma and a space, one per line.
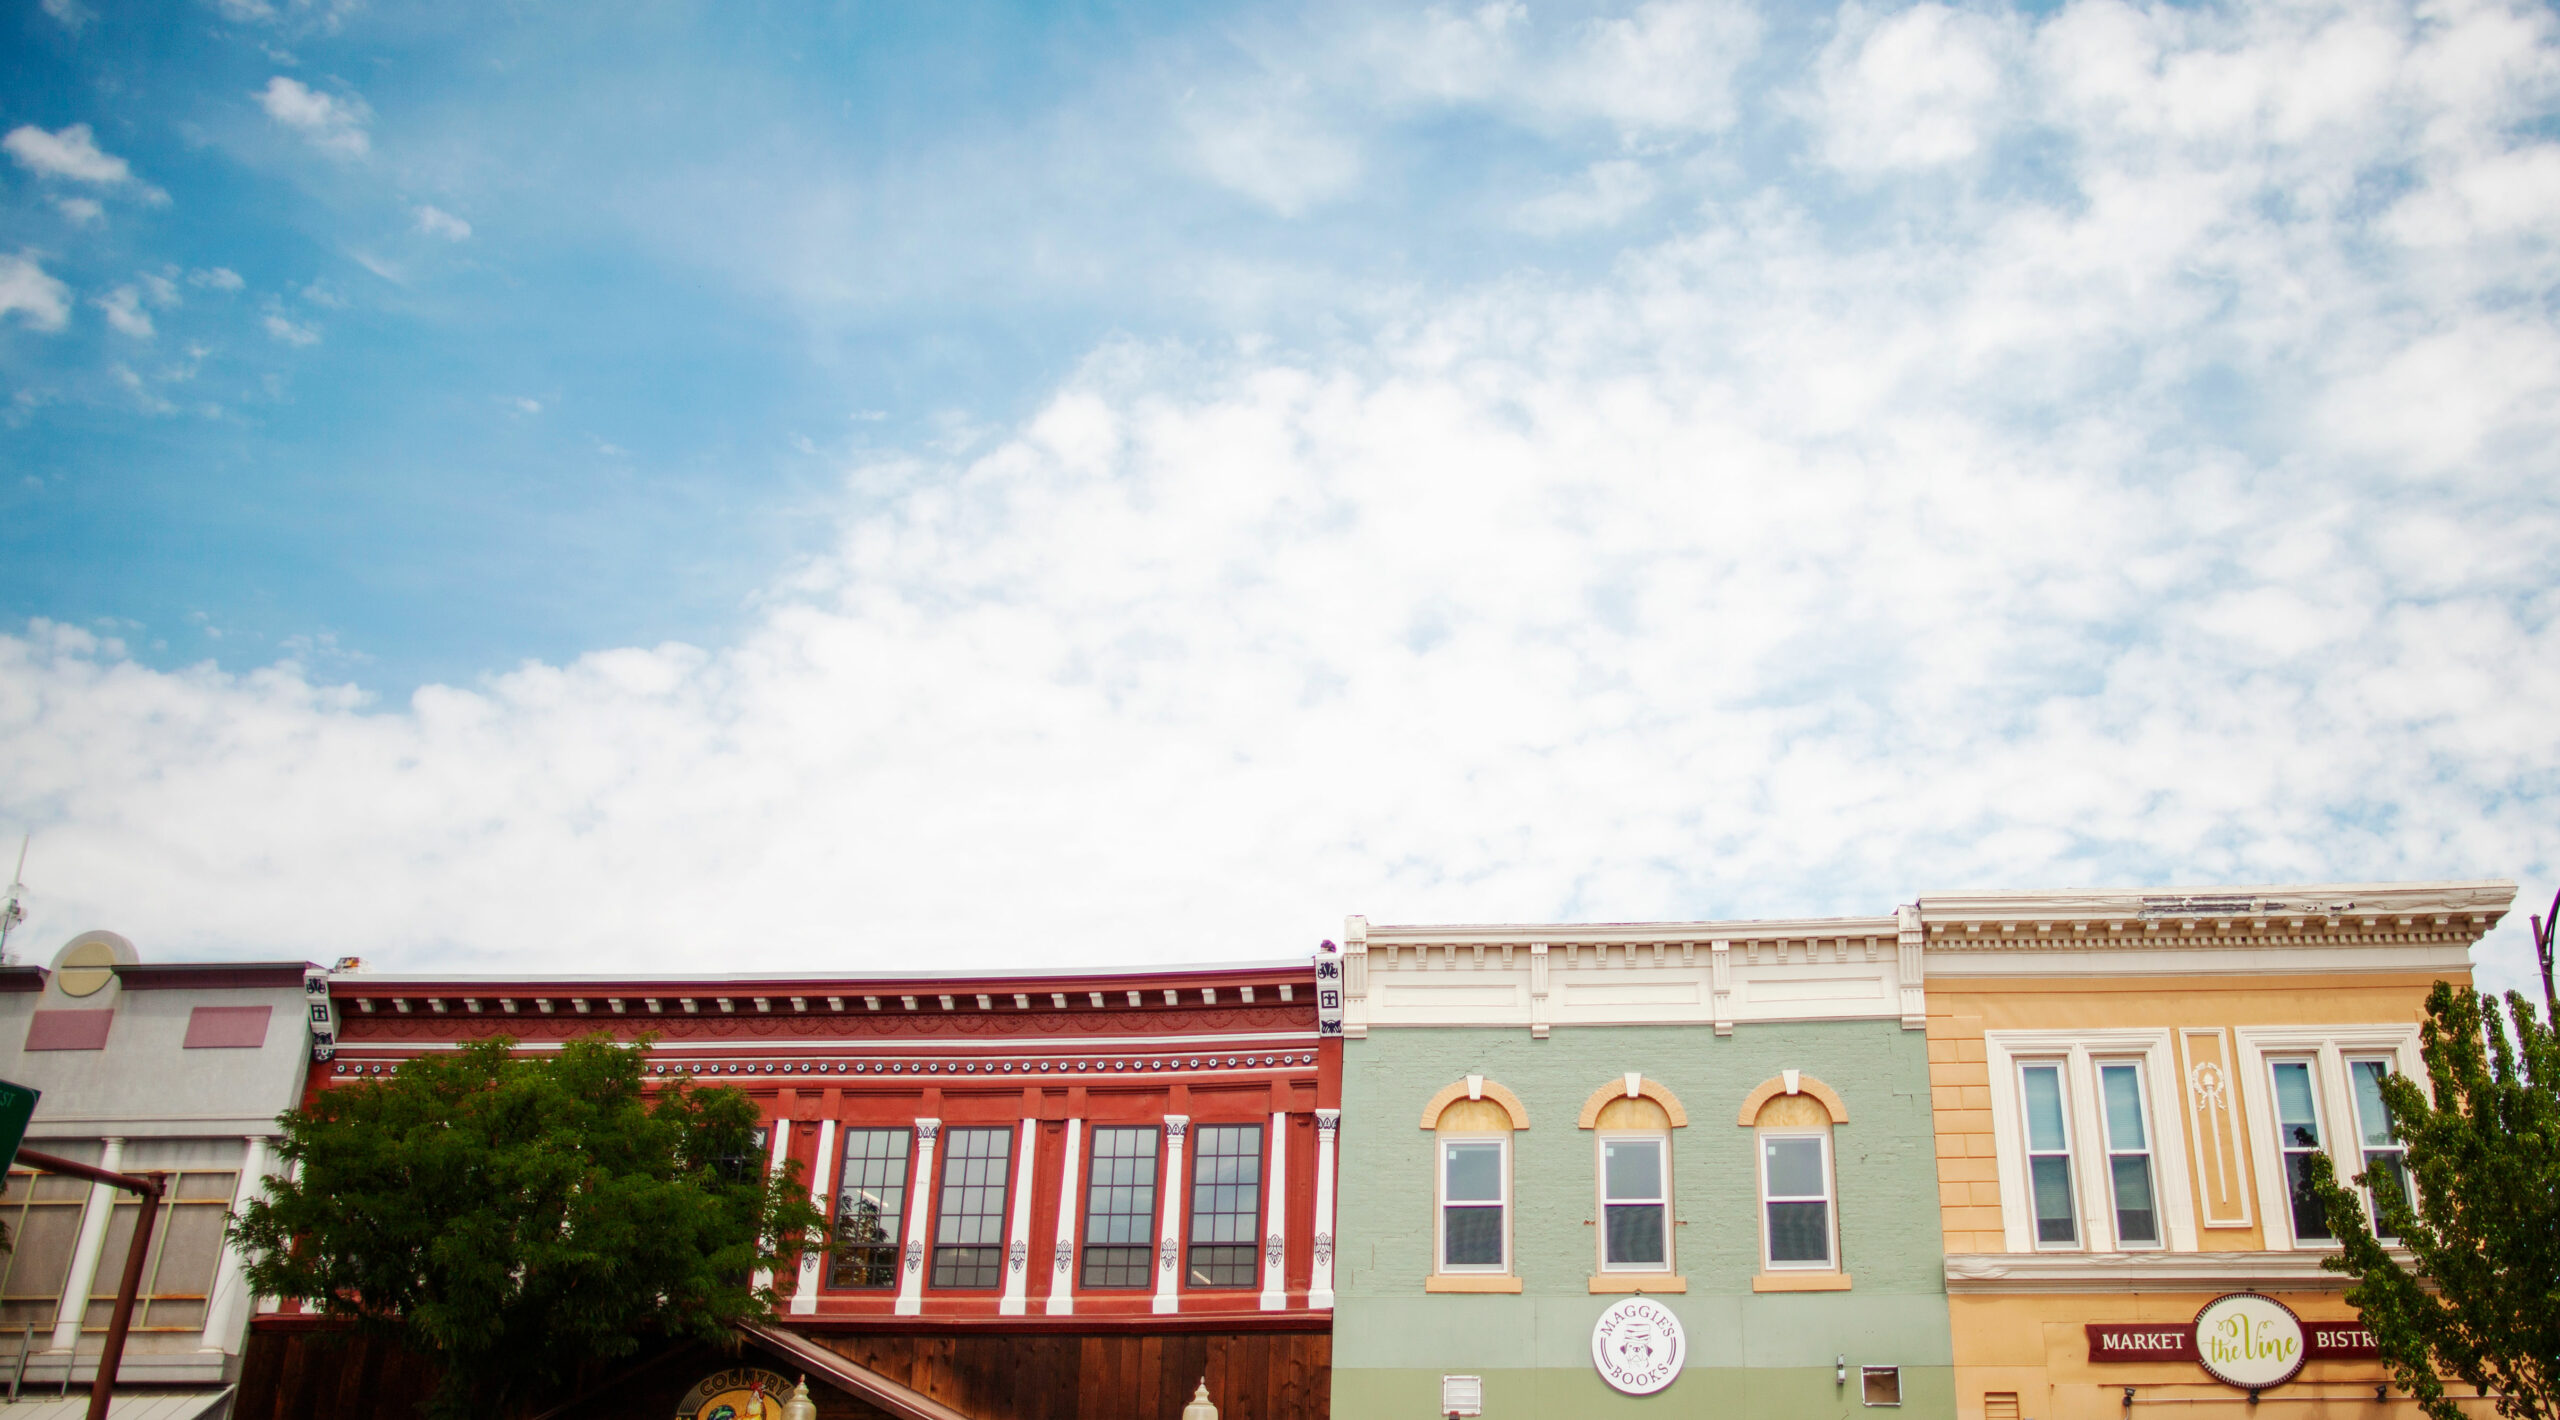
point(1638, 1346)
point(2249, 1341)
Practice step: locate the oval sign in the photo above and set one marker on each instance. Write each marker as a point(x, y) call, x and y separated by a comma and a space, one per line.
point(2249, 1341)
point(1638, 1346)
point(739, 1393)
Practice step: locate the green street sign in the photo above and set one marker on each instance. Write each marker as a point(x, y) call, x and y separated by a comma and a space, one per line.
point(17, 1106)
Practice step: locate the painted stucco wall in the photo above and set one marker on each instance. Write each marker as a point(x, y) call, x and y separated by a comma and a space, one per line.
point(1750, 1353)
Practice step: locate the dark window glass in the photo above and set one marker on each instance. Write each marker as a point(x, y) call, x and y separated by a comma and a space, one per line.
point(1471, 1204)
point(968, 1237)
point(1796, 1186)
point(1120, 1209)
point(871, 1207)
point(2298, 1134)
point(1226, 1205)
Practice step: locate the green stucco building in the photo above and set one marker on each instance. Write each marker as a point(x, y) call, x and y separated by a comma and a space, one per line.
point(1716, 1136)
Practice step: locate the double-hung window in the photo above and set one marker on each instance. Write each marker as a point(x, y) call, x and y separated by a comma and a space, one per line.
point(1635, 1199)
point(2040, 1090)
point(2128, 1154)
point(1226, 1205)
point(2386, 1173)
point(871, 1207)
point(1795, 1193)
point(968, 1238)
point(1120, 1208)
point(1475, 1199)
point(2297, 1100)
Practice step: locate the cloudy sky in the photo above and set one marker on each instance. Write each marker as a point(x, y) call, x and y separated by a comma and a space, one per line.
point(722, 487)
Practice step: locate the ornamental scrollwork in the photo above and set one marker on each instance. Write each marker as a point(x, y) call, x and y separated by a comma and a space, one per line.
point(1324, 1248)
point(1066, 1256)
point(1016, 1254)
point(1273, 1249)
point(1168, 1255)
point(915, 1256)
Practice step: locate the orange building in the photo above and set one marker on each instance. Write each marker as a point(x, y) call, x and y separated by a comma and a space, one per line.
point(2125, 1085)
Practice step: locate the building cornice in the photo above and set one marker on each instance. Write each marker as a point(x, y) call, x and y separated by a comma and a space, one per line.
point(2141, 1272)
point(2425, 928)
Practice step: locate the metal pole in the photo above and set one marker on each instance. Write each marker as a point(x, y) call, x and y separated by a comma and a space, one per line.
point(102, 1387)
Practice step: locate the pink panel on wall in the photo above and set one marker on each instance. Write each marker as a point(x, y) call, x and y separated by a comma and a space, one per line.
point(69, 1030)
point(227, 1027)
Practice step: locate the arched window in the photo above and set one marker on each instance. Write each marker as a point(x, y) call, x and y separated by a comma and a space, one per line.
point(1472, 1124)
point(1631, 1119)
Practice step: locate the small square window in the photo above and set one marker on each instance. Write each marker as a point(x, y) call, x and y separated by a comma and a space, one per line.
point(1880, 1385)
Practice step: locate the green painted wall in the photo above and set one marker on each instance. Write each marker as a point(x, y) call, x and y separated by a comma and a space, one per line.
point(1749, 1353)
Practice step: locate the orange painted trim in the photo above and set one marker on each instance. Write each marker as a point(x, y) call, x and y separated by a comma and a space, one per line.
point(1456, 1090)
point(1462, 1282)
point(1800, 1282)
point(1806, 1085)
point(1617, 1090)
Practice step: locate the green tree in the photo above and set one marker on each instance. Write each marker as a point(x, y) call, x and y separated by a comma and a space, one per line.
point(2477, 1298)
point(518, 1218)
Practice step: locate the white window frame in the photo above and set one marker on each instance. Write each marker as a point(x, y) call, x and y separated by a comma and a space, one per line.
point(2093, 1193)
point(2150, 1149)
point(2060, 1065)
point(2328, 1047)
point(1660, 1139)
point(1830, 1194)
point(2364, 1153)
point(1440, 1206)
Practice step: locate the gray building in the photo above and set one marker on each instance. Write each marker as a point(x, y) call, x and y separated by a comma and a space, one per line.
point(173, 1068)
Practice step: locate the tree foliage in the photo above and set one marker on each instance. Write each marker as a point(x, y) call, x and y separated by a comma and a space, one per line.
point(2478, 1297)
point(518, 1218)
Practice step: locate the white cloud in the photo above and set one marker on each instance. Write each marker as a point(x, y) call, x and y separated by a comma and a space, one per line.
point(71, 154)
point(218, 278)
point(332, 124)
point(291, 333)
point(70, 14)
point(1914, 89)
point(1665, 67)
point(1781, 570)
point(1270, 143)
point(1608, 193)
point(436, 222)
point(123, 306)
point(36, 299)
point(81, 211)
point(523, 405)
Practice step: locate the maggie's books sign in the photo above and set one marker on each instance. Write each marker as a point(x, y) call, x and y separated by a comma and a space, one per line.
point(2242, 1339)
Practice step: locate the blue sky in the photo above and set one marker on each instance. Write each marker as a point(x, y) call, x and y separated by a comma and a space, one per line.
point(494, 484)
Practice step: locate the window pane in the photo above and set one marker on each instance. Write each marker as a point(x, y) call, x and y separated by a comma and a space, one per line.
point(2310, 1220)
point(1226, 1203)
point(1120, 1209)
point(1795, 1167)
point(1475, 1173)
point(2373, 1117)
point(190, 1247)
point(1471, 1237)
point(2043, 1085)
point(2388, 1178)
point(2124, 1107)
point(871, 1205)
point(969, 1234)
point(2135, 1220)
point(1635, 1235)
point(2298, 1121)
point(1632, 1168)
point(2051, 1181)
point(1799, 1232)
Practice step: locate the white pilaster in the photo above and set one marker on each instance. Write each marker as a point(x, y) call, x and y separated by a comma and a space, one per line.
point(1169, 1232)
point(84, 1254)
point(1275, 1214)
point(781, 1154)
point(223, 1312)
point(805, 1300)
point(1320, 1281)
point(1062, 1263)
point(1017, 1232)
point(919, 1203)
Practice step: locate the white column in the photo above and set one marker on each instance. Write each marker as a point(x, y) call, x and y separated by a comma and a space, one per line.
point(1169, 1231)
point(84, 1254)
point(1017, 1232)
point(1062, 1264)
point(919, 1203)
point(1275, 1215)
point(222, 1319)
point(1320, 1281)
point(781, 1155)
point(805, 1300)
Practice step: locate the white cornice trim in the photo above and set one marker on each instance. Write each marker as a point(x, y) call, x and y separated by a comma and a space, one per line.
point(2321, 900)
point(2141, 1272)
point(2183, 960)
point(1621, 933)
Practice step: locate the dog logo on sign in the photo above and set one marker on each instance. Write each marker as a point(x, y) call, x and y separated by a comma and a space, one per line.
point(1638, 1346)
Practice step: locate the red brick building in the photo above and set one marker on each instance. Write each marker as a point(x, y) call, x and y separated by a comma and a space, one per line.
point(1055, 1194)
